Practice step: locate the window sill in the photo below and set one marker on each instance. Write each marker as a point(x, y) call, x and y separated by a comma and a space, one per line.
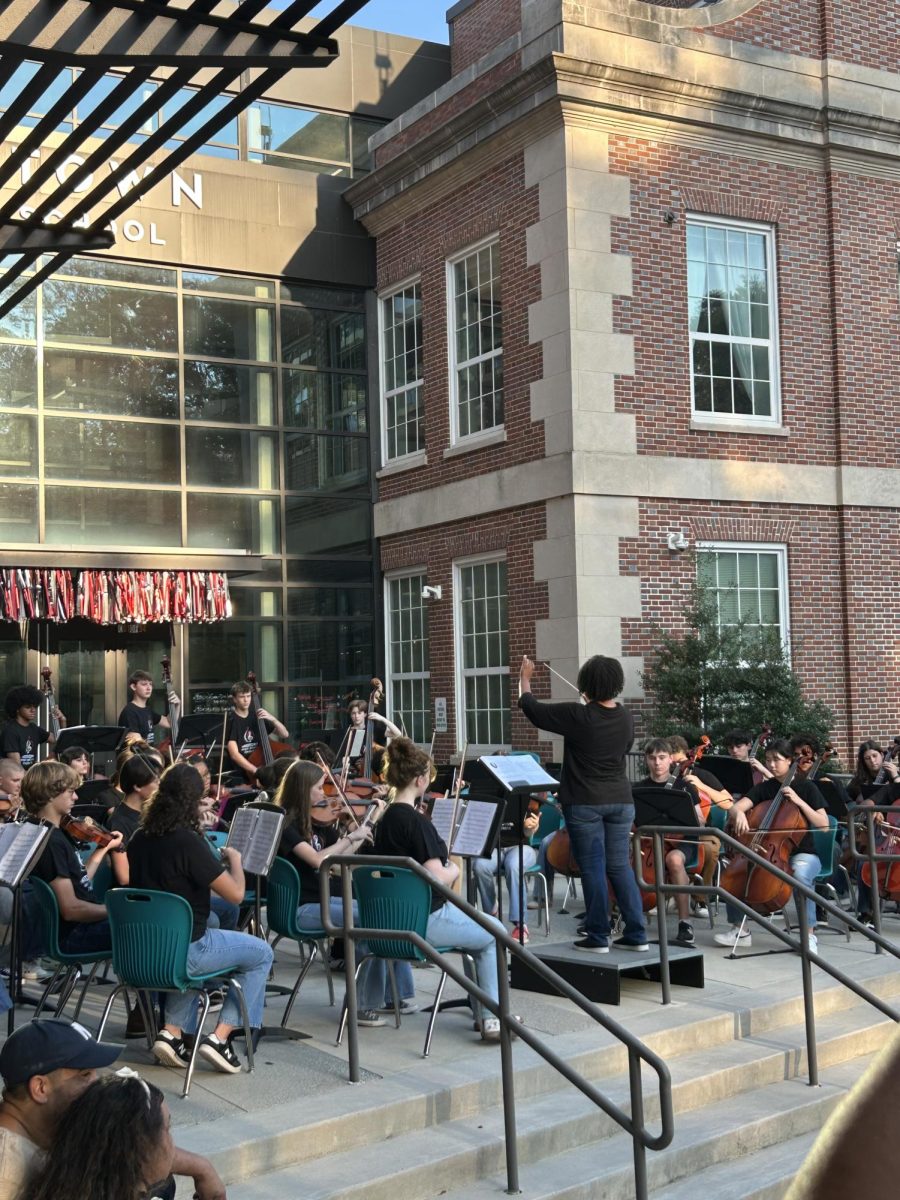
point(754, 427)
point(492, 438)
point(408, 462)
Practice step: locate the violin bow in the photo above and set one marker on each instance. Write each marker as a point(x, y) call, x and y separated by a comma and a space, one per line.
point(222, 756)
point(553, 671)
point(337, 787)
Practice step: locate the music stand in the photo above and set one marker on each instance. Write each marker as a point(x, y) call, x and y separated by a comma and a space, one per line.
point(835, 796)
point(102, 740)
point(200, 729)
point(735, 774)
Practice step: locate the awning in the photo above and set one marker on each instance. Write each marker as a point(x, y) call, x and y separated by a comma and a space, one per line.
point(113, 597)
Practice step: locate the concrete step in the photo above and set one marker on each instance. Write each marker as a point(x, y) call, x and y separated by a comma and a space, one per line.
point(765, 1175)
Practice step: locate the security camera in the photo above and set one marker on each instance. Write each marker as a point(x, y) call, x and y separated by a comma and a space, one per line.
point(677, 541)
point(431, 593)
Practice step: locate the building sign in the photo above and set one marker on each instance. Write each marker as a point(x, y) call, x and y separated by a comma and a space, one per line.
point(440, 714)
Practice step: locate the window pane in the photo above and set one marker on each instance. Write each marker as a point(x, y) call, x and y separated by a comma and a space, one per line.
point(55, 90)
point(328, 526)
point(110, 316)
point(330, 602)
point(112, 516)
point(20, 322)
point(18, 445)
point(227, 650)
point(103, 88)
point(223, 393)
point(362, 131)
point(329, 649)
point(233, 285)
point(113, 271)
point(188, 125)
point(233, 523)
point(18, 513)
point(231, 458)
point(227, 329)
point(255, 602)
point(90, 382)
point(299, 131)
point(318, 338)
point(18, 376)
point(326, 464)
point(113, 451)
point(317, 400)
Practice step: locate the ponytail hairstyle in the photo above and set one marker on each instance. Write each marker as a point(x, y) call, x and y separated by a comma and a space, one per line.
point(293, 795)
point(406, 762)
point(137, 773)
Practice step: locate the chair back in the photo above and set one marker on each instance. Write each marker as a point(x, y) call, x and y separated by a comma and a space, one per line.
point(103, 880)
point(46, 913)
point(283, 898)
point(392, 898)
point(151, 933)
point(549, 820)
point(823, 847)
point(717, 817)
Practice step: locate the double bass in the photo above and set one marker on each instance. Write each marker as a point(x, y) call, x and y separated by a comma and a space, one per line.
point(266, 749)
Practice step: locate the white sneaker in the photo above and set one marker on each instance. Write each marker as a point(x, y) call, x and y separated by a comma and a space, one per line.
point(730, 937)
point(813, 943)
point(700, 910)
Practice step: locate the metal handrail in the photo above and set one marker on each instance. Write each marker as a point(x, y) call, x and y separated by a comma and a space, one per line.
point(642, 1140)
point(871, 855)
point(660, 832)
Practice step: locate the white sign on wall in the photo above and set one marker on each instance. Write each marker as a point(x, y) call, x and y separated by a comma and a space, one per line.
point(440, 714)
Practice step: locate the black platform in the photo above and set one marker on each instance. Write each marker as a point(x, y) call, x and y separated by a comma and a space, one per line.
point(599, 976)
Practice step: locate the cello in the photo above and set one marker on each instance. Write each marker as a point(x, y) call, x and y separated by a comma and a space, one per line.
point(887, 837)
point(648, 868)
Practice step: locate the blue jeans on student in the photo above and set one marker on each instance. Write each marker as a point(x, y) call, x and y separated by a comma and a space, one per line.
point(449, 926)
point(600, 836)
point(89, 938)
point(223, 950)
point(222, 913)
point(486, 878)
point(804, 868)
point(374, 982)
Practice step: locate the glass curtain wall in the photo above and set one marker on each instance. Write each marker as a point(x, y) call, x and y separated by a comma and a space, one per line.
point(144, 407)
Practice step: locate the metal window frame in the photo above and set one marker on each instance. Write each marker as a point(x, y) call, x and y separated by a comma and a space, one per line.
point(385, 393)
point(780, 550)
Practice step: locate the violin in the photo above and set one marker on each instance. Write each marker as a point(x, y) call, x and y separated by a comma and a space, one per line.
point(83, 829)
point(266, 749)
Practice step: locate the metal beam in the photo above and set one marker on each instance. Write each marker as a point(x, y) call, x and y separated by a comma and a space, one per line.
point(22, 236)
point(76, 32)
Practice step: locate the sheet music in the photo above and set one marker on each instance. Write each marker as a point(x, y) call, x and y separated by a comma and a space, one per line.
point(516, 770)
point(19, 845)
point(474, 829)
point(255, 833)
point(442, 818)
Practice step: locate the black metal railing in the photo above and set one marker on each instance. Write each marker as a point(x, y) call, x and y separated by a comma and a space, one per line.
point(861, 818)
point(633, 1123)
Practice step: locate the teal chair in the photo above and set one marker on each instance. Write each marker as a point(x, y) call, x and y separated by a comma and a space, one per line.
point(282, 902)
point(823, 848)
point(396, 898)
point(550, 819)
point(151, 934)
point(67, 966)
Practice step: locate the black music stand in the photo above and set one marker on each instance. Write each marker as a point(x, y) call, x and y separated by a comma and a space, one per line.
point(735, 774)
point(655, 804)
point(96, 739)
point(835, 796)
point(201, 730)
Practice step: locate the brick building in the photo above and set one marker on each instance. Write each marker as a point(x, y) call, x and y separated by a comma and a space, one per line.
point(637, 275)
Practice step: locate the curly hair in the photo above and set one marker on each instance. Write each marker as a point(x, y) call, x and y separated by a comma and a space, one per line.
point(44, 782)
point(18, 697)
point(601, 678)
point(293, 795)
point(89, 1158)
point(405, 762)
point(176, 802)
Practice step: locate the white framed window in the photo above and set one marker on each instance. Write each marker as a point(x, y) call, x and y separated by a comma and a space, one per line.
point(402, 372)
point(733, 319)
point(482, 653)
point(409, 677)
point(475, 324)
point(748, 583)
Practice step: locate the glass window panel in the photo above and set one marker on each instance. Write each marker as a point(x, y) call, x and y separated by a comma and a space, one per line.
point(362, 130)
point(743, 398)
point(721, 358)
point(727, 567)
point(114, 451)
point(189, 125)
point(760, 362)
point(126, 108)
point(18, 376)
point(312, 295)
point(18, 445)
point(749, 607)
point(329, 649)
point(320, 400)
point(298, 131)
point(346, 572)
point(718, 316)
point(228, 329)
point(233, 522)
point(325, 464)
point(706, 569)
point(330, 602)
point(722, 396)
point(18, 513)
point(255, 602)
point(316, 338)
point(759, 321)
point(110, 270)
point(328, 526)
point(756, 250)
point(112, 517)
point(110, 316)
point(696, 242)
point(231, 458)
point(80, 380)
point(768, 570)
point(715, 245)
point(761, 399)
point(20, 322)
point(729, 609)
point(226, 393)
point(227, 650)
point(748, 571)
point(56, 90)
point(702, 394)
point(233, 285)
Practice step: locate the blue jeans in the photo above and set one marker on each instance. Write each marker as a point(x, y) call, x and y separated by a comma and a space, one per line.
point(88, 938)
point(222, 913)
point(374, 981)
point(449, 926)
point(804, 868)
point(486, 878)
point(220, 950)
point(600, 836)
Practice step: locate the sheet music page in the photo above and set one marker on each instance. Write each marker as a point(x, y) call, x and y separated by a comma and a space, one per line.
point(442, 818)
point(474, 829)
point(513, 770)
point(264, 841)
point(242, 825)
point(17, 852)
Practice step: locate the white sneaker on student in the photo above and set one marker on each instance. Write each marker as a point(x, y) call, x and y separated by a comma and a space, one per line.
point(730, 937)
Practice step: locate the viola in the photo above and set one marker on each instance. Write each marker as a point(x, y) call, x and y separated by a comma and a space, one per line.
point(83, 829)
point(887, 841)
point(776, 828)
point(810, 767)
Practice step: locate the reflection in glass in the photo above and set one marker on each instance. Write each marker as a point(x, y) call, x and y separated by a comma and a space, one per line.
point(318, 338)
point(298, 131)
point(20, 322)
point(85, 381)
point(227, 329)
point(362, 131)
point(344, 572)
point(221, 392)
point(233, 523)
point(320, 400)
point(230, 458)
point(18, 513)
point(18, 445)
point(328, 526)
point(312, 295)
point(330, 602)
point(255, 602)
point(58, 86)
point(82, 516)
point(18, 376)
point(110, 316)
point(189, 125)
point(233, 285)
point(325, 464)
point(227, 650)
point(329, 649)
point(113, 271)
point(126, 108)
point(113, 451)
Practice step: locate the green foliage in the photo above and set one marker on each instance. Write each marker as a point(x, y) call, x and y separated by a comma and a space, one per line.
point(710, 680)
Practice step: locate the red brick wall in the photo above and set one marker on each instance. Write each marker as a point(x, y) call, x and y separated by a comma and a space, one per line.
point(793, 26)
point(497, 202)
point(480, 28)
point(513, 533)
point(681, 180)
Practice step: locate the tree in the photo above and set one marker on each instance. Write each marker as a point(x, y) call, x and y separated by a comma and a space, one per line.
point(711, 679)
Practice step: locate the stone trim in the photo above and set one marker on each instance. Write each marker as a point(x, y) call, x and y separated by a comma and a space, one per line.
point(740, 529)
point(731, 204)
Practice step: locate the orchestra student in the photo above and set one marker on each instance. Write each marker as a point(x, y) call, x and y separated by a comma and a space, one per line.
point(242, 729)
point(137, 716)
point(21, 736)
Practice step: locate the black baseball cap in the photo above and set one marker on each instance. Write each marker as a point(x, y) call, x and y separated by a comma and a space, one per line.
point(44, 1046)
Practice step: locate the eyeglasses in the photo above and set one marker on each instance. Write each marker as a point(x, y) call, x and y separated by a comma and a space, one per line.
point(321, 804)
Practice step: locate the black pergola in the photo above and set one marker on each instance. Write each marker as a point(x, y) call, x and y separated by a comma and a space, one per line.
point(141, 36)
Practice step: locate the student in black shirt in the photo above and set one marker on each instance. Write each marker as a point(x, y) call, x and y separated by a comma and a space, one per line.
point(804, 863)
point(138, 779)
point(242, 728)
point(595, 795)
point(21, 736)
point(48, 792)
point(137, 717)
point(169, 854)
